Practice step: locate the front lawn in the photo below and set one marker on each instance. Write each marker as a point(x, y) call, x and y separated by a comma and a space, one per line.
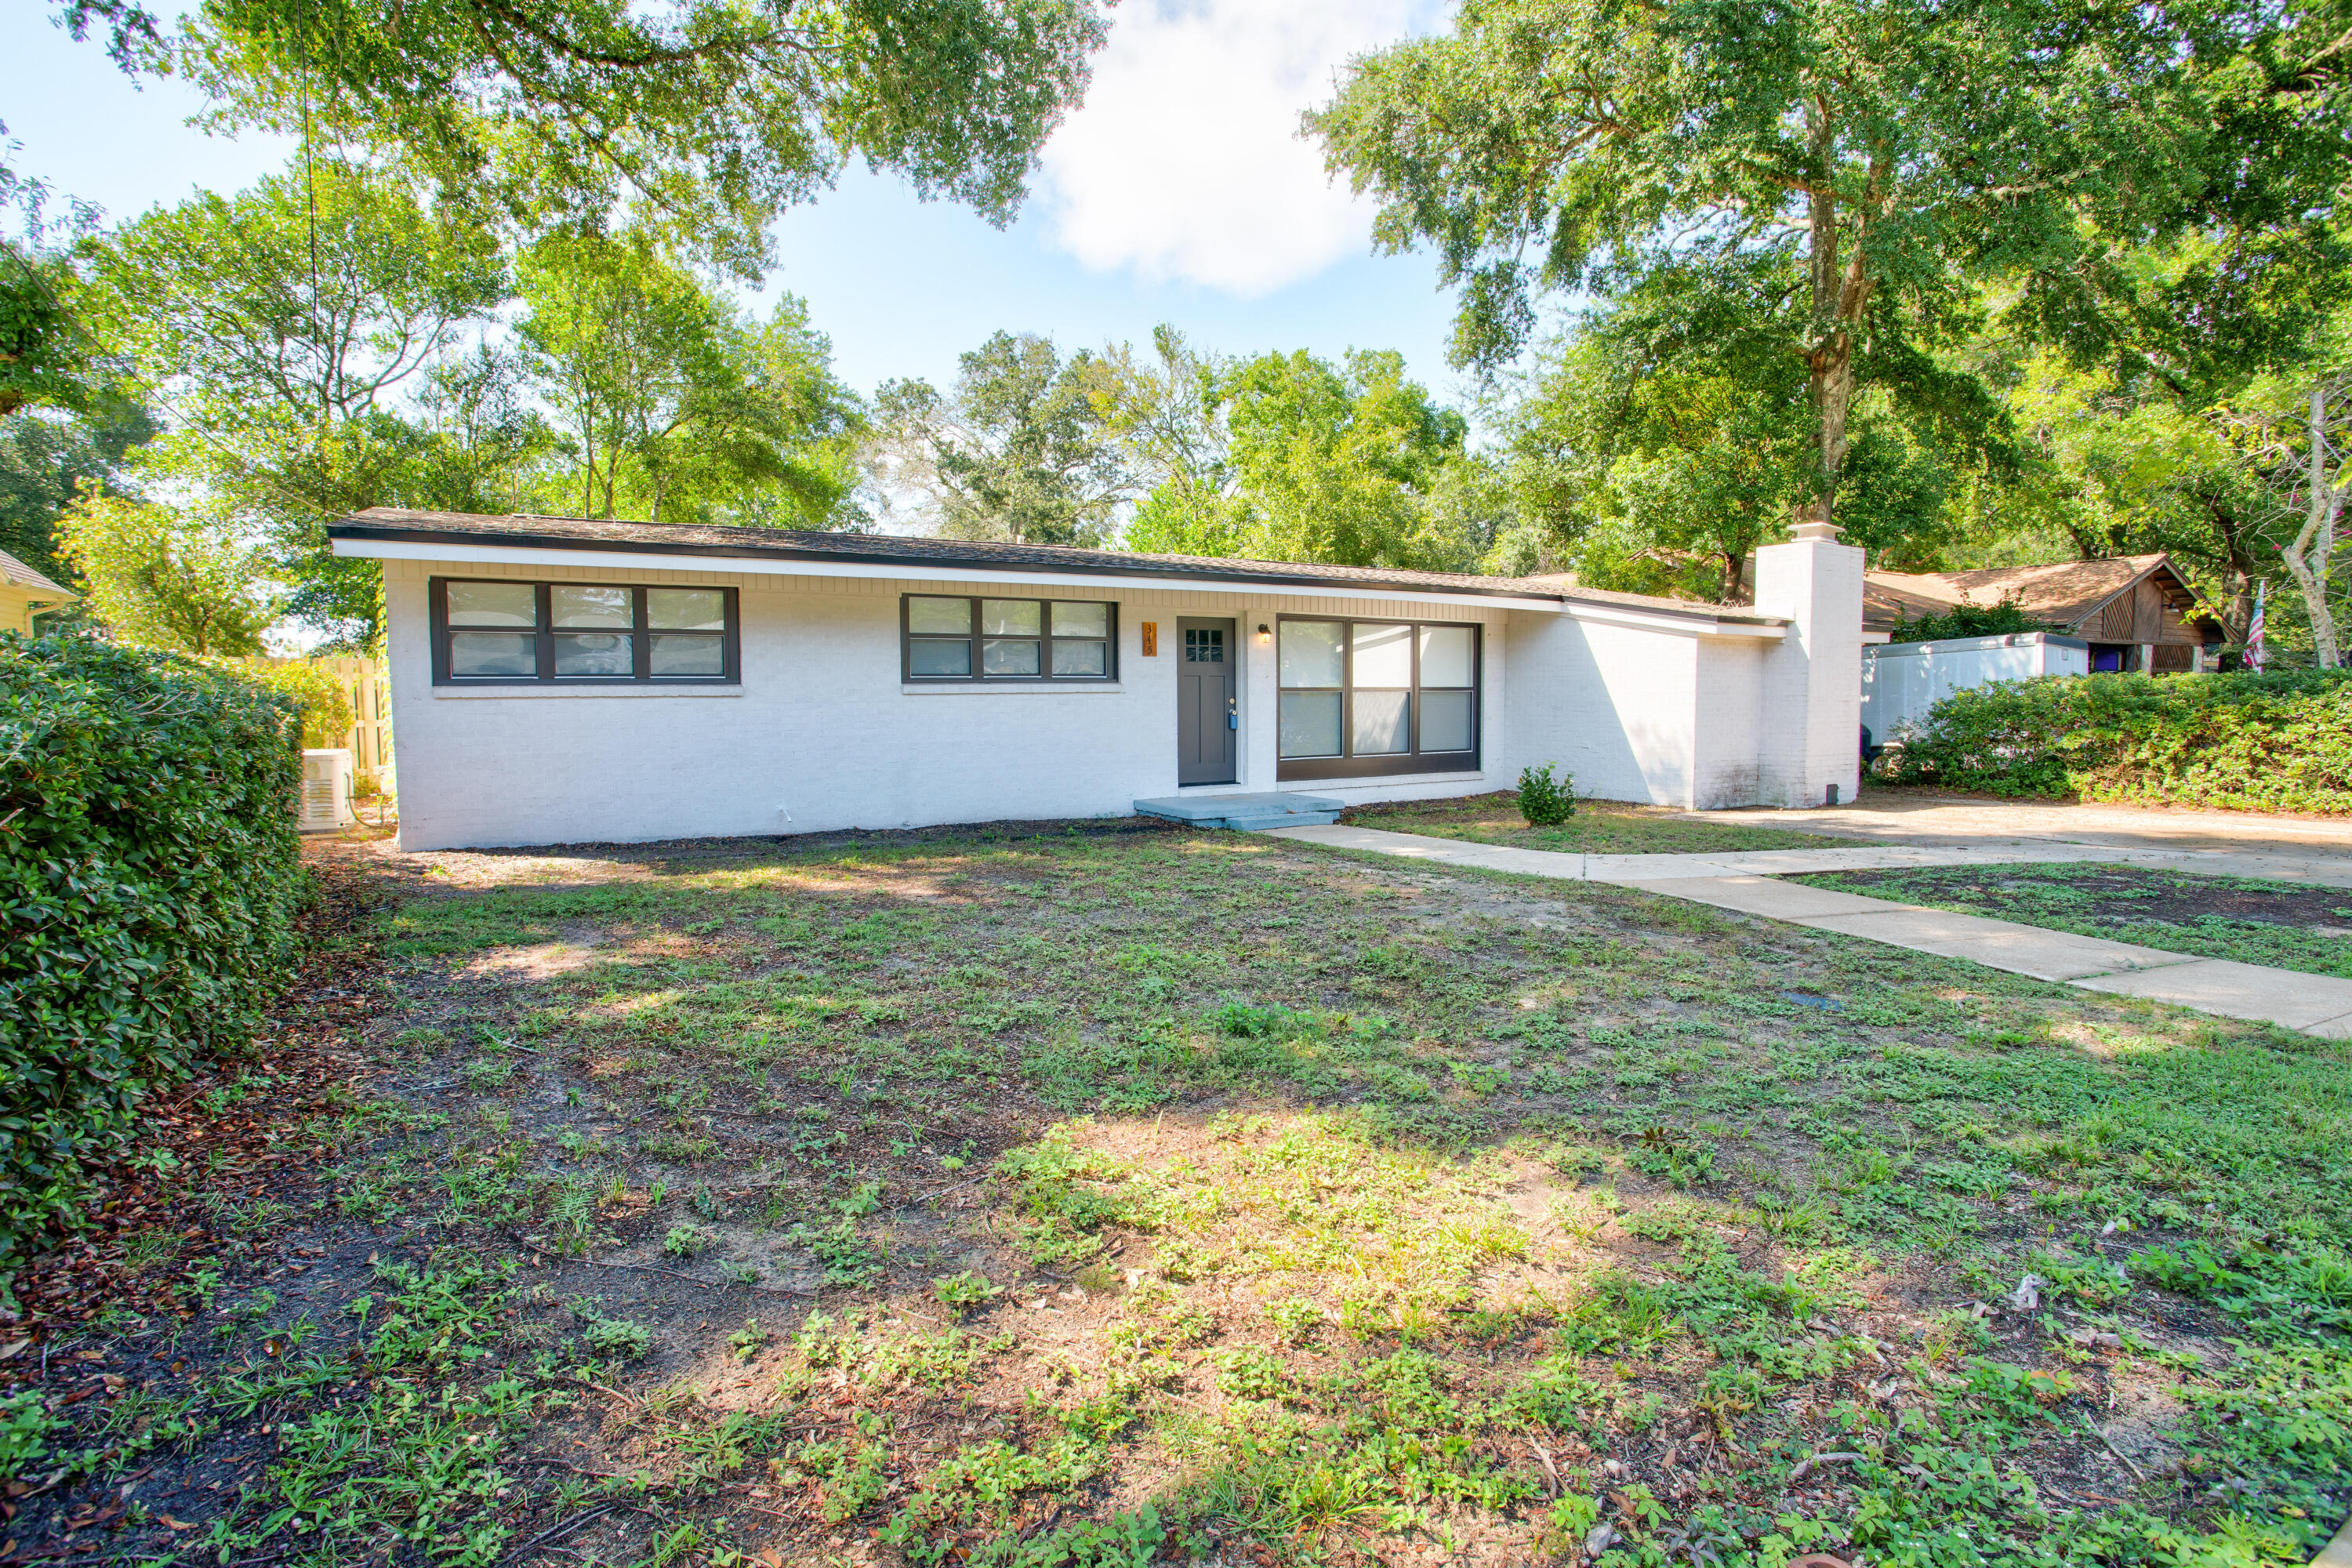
point(1121, 1195)
point(1599, 828)
point(2287, 925)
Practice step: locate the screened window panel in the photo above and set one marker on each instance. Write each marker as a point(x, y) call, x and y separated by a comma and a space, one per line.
point(607, 607)
point(1081, 658)
point(1380, 729)
point(1383, 655)
point(493, 604)
point(940, 657)
point(1445, 721)
point(1313, 653)
point(1012, 617)
point(601, 655)
point(1449, 657)
point(1310, 724)
point(480, 653)
point(686, 609)
point(951, 617)
point(1008, 656)
point(686, 653)
point(1081, 620)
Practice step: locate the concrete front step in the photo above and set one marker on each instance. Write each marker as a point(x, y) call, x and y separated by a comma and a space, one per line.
point(1244, 813)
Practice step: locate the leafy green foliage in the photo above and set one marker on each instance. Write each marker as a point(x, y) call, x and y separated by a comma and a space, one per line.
point(1966, 620)
point(1545, 801)
point(45, 462)
point(1021, 449)
point(2278, 742)
point(675, 405)
point(168, 577)
point(149, 874)
point(712, 114)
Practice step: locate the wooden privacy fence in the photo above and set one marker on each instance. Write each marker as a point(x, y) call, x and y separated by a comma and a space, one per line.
point(367, 688)
point(367, 692)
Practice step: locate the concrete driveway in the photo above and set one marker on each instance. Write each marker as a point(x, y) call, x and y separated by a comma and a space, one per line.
point(1915, 817)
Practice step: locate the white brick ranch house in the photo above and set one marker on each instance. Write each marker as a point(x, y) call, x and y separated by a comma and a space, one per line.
point(561, 680)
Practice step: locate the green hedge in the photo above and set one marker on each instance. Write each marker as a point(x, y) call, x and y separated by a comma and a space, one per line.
point(2279, 741)
point(150, 870)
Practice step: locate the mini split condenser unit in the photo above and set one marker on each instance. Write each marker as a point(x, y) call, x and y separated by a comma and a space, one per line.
point(326, 803)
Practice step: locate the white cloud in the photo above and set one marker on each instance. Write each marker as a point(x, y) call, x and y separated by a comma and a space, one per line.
point(1185, 162)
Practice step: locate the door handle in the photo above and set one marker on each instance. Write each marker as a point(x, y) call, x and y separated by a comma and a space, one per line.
point(1232, 719)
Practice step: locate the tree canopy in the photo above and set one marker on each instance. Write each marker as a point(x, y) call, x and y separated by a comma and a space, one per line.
point(709, 116)
point(1874, 162)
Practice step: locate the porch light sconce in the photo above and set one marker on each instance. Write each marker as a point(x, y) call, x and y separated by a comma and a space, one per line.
point(1264, 634)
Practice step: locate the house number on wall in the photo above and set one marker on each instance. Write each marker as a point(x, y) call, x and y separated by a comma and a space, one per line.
point(1151, 639)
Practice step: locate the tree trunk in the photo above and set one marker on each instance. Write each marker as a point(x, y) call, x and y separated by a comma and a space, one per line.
point(2308, 557)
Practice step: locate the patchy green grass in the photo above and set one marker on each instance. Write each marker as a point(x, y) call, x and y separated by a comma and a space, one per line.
point(1121, 1197)
point(1599, 828)
point(2287, 925)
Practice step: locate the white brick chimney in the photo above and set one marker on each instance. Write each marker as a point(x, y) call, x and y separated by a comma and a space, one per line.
point(1812, 679)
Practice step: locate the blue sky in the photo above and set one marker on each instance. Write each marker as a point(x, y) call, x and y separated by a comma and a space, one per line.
point(1179, 193)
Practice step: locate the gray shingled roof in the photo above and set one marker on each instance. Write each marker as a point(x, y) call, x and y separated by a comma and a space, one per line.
point(530, 530)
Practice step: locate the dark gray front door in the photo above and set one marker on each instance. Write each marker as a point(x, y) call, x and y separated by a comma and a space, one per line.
point(1204, 702)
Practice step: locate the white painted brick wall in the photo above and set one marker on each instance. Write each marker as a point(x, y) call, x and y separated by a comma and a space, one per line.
point(822, 735)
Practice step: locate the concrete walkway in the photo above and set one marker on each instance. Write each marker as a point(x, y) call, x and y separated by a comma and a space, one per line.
point(2316, 1004)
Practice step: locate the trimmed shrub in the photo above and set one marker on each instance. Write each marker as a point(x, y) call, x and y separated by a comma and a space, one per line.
point(2272, 741)
point(150, 870)
point(1545, 801)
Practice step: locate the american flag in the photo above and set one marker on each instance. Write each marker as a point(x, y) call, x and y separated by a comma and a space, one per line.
point(2254, 628)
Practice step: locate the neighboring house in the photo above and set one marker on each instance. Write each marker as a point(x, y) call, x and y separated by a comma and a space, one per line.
point(556, 679)
point(2135, 611)
point(25, 592)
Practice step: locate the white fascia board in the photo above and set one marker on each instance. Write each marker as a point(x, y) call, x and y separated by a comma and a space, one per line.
point(1650, 621)
point(630, 561)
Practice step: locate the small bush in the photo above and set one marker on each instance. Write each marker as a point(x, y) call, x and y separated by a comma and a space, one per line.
point(1966, 620)
point(1545, 801)
point(150, 871)
point(688, 1241)
point(616, 1337)
point(2278, 742)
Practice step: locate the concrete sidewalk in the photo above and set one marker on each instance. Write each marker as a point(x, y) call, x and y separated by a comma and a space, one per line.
point(2316, 1004)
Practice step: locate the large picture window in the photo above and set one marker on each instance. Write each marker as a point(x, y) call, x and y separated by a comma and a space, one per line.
point(1363, 698)
point(581, 633)
point(954, 637)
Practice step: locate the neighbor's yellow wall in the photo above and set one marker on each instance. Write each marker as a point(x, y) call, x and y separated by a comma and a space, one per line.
point(15, 609)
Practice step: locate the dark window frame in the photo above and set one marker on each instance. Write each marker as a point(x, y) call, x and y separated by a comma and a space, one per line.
point(641, 646)
point(1414, 761)
point(1045, 639)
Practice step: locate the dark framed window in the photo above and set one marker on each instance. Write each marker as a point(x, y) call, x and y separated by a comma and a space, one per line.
point(1359, 699)
point(977, 637)
point(500, 632)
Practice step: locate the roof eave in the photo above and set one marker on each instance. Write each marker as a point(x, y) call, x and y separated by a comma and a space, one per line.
point(1094, 565)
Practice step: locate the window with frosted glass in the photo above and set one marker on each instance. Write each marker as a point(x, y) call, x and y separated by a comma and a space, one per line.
point(508, 633)
point(1375, 697)
point(985, 639)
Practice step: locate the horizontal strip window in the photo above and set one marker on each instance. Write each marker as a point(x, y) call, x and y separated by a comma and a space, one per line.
point(957, 638)
point(1360, 699)
point(582, 634)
